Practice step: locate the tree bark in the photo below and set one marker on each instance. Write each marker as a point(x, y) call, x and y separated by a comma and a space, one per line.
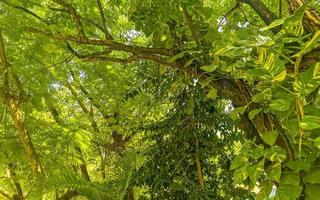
point(13, 104)
point(24, 136)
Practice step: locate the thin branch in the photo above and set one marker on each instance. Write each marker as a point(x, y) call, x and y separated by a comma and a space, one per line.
point(99, 42)
point(190, 26)
point(74, 52)
point(25, 10)
point(228, 14)
point(58, 9)
point(101, 56)
point(104, 21)
point(93, 102)
point(4, 62)
point(90, 21)
point(280, 8)
point(76, 17)
point(67, 59)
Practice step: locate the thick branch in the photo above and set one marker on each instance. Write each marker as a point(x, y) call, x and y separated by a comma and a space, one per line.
point(311, 19)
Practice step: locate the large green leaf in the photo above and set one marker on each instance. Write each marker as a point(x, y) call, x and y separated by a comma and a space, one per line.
point(240, 175)
point(276, 154)
point(290, 178)
point(275, 172)
point(270, 137)
point(310, 122)
point(265, 191)
point(312, 192)
point(299, 165)
point(280, 104)
point(239, 161)
point(308, 81)
point(254, 171)
point(289, 192)
point(313, 176)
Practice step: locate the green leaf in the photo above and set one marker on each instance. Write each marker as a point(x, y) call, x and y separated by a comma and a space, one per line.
point(274, 24)
point(308, 81)
point(254, 112)
point(265, 190)
point(275, 172)
point(280, 77)
point(298, 165)
point(312, 192)
point(310, 122)
point(265, 94)
point(239, 161)
point(212, 94)
point(270, 137)
point(229, 51)
point(189, 107)
point(258, 152)
point(189, 62)
point(280, 105)
point(309, 45)
point(288, 192)
point(317, 142)
point(209, 68)
point(255, 171)
point(176, 57)
point(240, 175)
point(313, 176)
point(162, 69)
point(290, 178)
point(276, 154)
point(234, 115)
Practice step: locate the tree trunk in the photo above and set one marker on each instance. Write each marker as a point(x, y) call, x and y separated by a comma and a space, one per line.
point(24, 136)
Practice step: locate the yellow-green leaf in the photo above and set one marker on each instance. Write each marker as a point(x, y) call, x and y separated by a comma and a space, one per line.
point(280, 77)
point(212, 94)
point(254, 112)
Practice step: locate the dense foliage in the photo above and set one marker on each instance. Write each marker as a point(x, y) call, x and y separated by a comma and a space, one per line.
point(159, 99)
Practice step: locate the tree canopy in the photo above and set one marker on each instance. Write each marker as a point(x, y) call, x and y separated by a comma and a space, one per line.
point(159, 99)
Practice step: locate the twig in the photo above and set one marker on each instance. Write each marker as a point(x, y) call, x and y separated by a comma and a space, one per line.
point(26, 11)
point(4, 62)
point(228, 14)
point(100, 42)
point(104, 21)
point(76, 17)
